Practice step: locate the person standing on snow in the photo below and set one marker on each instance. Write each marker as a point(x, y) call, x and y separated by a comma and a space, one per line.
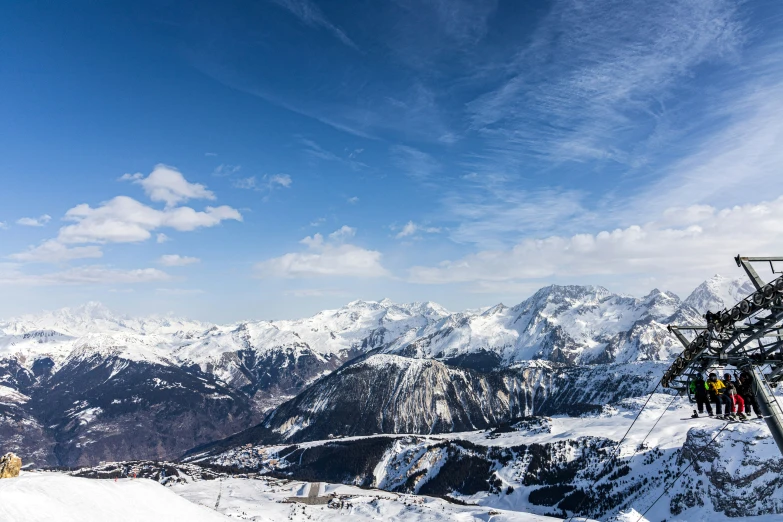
point(716, 389)
point(699, 389)
point(737, 404)
point(745, 389)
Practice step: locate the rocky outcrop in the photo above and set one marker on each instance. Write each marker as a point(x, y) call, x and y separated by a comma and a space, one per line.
point(10, 465)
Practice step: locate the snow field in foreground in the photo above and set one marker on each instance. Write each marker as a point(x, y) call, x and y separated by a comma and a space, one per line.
point(47, 497)
point(44, 497)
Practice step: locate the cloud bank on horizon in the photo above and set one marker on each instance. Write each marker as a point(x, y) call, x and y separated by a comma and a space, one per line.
point(292, 154)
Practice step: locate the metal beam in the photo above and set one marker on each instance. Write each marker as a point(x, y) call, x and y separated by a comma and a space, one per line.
point(770, 407)
point(745, 263)
point(676, 331)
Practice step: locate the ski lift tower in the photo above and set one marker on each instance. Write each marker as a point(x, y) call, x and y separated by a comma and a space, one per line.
point(747, 336)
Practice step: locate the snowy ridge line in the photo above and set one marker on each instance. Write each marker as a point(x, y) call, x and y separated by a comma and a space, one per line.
point(570, 324)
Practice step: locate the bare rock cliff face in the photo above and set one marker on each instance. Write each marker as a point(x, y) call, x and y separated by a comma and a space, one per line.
point(10, 465)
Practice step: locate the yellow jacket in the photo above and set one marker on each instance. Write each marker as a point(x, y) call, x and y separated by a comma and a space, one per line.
point(716, 386)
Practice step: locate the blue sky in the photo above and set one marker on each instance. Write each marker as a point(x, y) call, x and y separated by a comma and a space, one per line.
point(270, 158)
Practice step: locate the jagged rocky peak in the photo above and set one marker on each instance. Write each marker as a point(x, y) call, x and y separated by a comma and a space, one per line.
point(497, 309)
point(559, 295)
point(573, 292)
point(719, 292)
point(661, 305)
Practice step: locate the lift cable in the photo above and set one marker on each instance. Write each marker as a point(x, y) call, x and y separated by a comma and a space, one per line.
point(674, 398)
point(616, 450)
point(666, 488)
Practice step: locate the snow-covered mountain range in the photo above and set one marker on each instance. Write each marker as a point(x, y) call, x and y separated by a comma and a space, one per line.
point(84, 384)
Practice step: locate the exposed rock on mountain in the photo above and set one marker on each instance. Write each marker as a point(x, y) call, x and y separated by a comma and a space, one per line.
point(82, 385)
point(393, 394)
point(719, 292)
point(10, 465)
point(558, 466)
point(562, 324)
point(155, 387)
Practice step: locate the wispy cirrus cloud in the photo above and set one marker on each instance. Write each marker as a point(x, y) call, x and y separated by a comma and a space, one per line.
point(10, 274)
point(415, 163)
point(310, 14)
point(351, 157)
point(52, 251)
point(178, 291)
point(594, 77)
point(267, 183)
point(740, 156)
point(492, 214)
point(224, 170)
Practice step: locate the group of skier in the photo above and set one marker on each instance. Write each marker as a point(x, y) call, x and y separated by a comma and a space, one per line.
point(733, 400)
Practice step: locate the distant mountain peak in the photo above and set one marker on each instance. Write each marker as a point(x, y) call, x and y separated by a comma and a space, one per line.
point(498, 308)
point(719, 292)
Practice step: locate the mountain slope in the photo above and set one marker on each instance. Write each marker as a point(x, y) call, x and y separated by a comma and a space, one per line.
point(559, 465)
point(81, 376)
point(394, 395)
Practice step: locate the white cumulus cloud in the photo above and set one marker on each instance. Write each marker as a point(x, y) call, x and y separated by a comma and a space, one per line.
point(343, 233)
point(34, 222)
point(682, 248)
point(177, 260)
point(408, 230)
point(325, 257)
point(125, 220)
point(282, 180)
point(168, 185)
point(412, 228)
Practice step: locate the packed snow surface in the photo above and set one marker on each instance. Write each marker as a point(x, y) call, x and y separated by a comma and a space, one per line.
point(44, 497)
point(262, 500)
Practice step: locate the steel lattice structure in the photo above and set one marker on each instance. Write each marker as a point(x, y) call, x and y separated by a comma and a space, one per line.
point(747, 336)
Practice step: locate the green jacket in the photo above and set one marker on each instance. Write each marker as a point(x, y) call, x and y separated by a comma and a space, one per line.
point(692, 386)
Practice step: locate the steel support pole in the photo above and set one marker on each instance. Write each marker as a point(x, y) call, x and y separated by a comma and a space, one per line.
point(744, 262)
point(770, 408)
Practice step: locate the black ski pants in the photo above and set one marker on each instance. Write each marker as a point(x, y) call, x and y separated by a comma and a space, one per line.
point(750, 402)
point(702, 401)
